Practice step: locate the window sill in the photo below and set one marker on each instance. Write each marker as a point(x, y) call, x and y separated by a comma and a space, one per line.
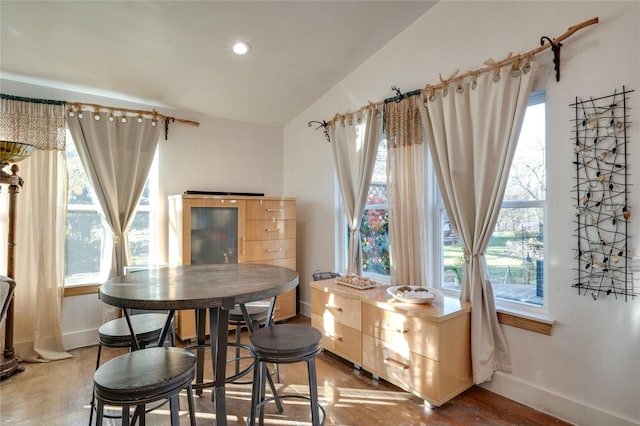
point(537, 325)
point(78, 290)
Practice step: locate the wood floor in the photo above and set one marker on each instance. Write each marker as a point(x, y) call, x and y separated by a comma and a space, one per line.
point(59, 393)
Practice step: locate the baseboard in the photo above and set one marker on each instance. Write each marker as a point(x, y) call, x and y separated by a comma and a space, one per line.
point(305, 309)
point(80, 339)
point(554, 404)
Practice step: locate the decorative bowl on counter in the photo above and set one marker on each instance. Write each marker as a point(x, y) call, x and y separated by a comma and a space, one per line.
point(412, 294)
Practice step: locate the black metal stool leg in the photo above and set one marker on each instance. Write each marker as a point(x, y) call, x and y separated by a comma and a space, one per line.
point(313, 392)
point(192, 409)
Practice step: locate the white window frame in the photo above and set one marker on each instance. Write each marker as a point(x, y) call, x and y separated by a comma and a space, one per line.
point(342, 236)
point(107, 240)
point(437, 232)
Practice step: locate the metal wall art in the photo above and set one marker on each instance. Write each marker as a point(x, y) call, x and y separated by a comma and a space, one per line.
point(601, 195)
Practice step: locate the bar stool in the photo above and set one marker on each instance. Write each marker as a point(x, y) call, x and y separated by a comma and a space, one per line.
point(284, 344)
point(116, 334)
point(257, 315)
point(144, 376)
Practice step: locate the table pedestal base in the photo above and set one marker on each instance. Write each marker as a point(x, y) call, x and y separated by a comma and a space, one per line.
point(10, 367)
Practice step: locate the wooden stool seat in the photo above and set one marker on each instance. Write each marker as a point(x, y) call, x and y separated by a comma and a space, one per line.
point(144, 376)
point(284, 344)
point(256, 313)
point(116, 333)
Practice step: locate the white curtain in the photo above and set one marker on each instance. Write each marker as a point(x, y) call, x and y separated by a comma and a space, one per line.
point(40, 226)
point(117, 157)
point(355, 139)
point(406, 157)
point(472, 130)
point(41, 229)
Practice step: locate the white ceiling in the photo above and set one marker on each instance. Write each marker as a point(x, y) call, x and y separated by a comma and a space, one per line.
point(178, 53)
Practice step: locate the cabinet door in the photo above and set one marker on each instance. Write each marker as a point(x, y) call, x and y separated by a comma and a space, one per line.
point(212, 231)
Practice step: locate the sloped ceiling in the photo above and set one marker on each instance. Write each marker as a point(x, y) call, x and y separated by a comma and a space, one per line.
point(178, 53)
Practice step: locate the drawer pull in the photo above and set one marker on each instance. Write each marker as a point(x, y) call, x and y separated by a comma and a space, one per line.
point(336, 308)
point(336, 338)
point(274, 250)
point(273, 210)
point(273, 230)
point(395, 330)
point(394, 363)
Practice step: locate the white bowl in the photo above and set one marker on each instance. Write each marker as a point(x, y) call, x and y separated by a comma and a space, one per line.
point(413, 296)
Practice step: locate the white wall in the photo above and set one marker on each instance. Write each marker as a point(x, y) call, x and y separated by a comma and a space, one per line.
point(218, 155)
point(588, 371)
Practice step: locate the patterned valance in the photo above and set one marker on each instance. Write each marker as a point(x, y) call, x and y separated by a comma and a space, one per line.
point(34, 121)
point(402, 122)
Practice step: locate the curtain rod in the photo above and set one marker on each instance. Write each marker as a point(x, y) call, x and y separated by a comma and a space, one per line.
point(32, 100)
point(80, 105)
point(553, 44)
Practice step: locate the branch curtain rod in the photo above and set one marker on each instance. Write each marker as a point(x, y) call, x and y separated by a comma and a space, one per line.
point(96, 107)
point(80, 105)
point(554, 44)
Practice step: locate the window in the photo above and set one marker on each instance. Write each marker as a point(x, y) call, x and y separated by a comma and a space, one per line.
point(88, 237)
point(515, 255)
point(374, 225)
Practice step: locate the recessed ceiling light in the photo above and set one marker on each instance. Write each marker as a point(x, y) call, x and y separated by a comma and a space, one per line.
point(240, 48)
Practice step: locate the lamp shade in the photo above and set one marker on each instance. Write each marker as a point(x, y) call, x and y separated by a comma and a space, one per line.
point(12, 152)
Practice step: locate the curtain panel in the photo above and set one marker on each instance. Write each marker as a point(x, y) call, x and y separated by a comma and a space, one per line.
point(40, 226)
point(117, 156)
point(355, 138)
point(406, 162)
point(39, 123)
point(472, 129)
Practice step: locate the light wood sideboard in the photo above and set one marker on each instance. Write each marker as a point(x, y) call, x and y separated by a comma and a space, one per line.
point(228, 229)
point(424, 349)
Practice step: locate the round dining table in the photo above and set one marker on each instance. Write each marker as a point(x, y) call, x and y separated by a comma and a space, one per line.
point(214, 287)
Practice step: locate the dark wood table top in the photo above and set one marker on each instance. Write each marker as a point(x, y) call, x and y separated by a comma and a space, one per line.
point(198, 286)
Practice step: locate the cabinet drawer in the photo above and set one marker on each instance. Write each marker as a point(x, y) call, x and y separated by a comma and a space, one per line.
point(268, 250)
point(339, 339)
point(418, 335)
point(402, 367)
point(256, 230)
point(336, 309)
point(285, 305)
point(289, 262)
point(270, 209)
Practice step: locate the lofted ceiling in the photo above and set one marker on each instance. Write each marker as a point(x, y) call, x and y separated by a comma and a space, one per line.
point(178, 53)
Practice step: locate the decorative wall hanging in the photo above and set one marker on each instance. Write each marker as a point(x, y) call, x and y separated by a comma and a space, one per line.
point(601, 195)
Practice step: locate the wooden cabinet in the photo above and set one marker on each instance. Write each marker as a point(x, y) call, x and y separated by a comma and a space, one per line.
point(229, 229)
point(424, 349)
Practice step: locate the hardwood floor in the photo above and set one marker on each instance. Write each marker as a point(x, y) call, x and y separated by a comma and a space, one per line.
point(59, 393)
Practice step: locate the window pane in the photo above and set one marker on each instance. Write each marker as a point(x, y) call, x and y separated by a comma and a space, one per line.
point(515, 255)
point(374, 231)
point(527, 177)
point(83, 247)
point(139, 238)
point(374, 227)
